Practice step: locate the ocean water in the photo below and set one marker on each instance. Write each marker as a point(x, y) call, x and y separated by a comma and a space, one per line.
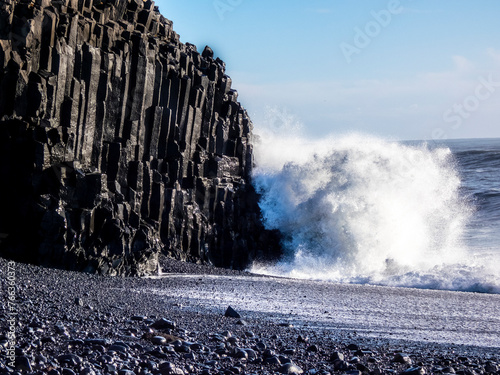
point(361, 209)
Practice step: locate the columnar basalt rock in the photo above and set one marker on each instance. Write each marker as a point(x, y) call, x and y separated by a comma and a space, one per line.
point(118, 142)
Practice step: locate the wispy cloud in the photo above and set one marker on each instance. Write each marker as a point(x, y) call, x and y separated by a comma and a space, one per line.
point(416, 103)
point(495, 54)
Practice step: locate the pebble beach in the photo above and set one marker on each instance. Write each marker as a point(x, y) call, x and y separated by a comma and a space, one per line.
point(75, 323)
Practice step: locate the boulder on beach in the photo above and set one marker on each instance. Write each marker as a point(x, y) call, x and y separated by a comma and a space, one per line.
point(231, 313)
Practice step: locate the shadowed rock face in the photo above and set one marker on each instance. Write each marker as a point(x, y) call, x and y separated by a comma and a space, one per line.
point(117, 142)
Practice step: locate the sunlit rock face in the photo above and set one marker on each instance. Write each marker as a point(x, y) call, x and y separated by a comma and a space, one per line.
point(118, 142)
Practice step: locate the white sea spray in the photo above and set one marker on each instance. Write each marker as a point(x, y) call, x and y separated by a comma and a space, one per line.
point(357, 208)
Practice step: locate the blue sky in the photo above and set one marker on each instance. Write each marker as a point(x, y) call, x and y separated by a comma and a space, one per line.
point(402, 69)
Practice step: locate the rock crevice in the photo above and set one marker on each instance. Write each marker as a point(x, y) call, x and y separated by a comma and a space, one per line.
point(118, 142)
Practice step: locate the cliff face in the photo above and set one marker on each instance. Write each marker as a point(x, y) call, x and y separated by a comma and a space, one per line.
point(117, 142)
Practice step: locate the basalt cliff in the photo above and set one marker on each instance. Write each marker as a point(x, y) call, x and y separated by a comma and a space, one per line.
point(118, 143)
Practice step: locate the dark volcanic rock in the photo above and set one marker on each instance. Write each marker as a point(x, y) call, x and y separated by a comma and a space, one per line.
point(23, 363)
point(231, 313)
point(163, 324)
point(118, 142)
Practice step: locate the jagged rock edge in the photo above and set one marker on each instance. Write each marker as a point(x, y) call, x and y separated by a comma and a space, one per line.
point(118, 142)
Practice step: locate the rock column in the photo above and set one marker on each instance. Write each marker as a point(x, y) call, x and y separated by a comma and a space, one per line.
point(118, 142)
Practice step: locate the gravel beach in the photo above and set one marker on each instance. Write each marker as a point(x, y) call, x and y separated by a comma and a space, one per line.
point(75, 323)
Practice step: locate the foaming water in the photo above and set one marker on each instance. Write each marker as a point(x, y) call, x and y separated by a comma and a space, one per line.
point(361, 209)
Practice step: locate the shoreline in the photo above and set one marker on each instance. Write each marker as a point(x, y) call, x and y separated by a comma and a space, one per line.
point(62, 312)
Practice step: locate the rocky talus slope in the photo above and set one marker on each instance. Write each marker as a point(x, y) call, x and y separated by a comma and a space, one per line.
point(118, 142)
